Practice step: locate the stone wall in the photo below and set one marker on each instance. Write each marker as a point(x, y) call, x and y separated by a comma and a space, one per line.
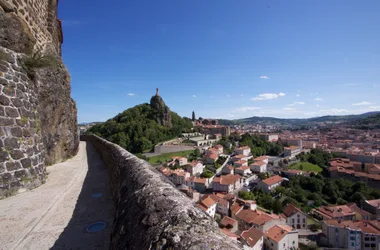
point(22, 152)
point(150, 212)
point(40, 17)
point(38, 118)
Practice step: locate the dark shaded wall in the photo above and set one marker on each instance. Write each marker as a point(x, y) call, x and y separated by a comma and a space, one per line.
point(38, 118)
point(150, 212)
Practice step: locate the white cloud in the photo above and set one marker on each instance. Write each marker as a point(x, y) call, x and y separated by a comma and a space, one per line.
point(296, 103)
point(241, 95)
point(267, 96)
point(298, 95)
point(264, 77)
point(318, 99)
point(317, 105)
point(290, 109)
point(361, 103)
point(228, 95)
point(374, 107)
point(247, 108)
point(194, 96)
point(131, 94)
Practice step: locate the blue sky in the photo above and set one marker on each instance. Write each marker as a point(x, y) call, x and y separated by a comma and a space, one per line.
point(223, 58)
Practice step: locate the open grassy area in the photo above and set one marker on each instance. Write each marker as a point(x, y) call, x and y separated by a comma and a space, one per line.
point(165, 157)
point(311, 221)
point(306, 166)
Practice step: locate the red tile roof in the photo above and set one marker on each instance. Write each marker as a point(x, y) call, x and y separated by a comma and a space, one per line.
point(252, 236)
point(272, 180)
point(334, 211)
point(278, 232)
point(290, 209)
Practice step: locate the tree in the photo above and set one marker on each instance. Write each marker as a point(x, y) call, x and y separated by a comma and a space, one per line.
point(245, 195)
point(193, 116)
point(277, 206)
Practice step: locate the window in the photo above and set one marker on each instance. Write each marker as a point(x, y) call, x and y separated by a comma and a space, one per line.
point(373, 245)
point(304, 220)
point(294, 242)
point(298, 215)
point(352, 238)
point(366, 238)
point(373, 239)
point(352, 243)
point(336, 230)
point(366, 245)
point(292, 220)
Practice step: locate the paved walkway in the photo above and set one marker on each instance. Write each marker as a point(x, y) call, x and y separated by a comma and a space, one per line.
point(56, 214)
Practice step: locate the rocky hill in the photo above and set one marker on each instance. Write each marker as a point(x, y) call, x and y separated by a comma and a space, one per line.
point(139, 128)
point(38, 121)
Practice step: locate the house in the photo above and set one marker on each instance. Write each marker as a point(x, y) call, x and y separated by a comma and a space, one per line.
point(189, 182)
point(281, 237)
point(226, 183)
point(252, 238)
point(258, 167)
point(222, 205)
point(240, 157)
point(248, 218)
point(228, 169)
point(270, 183)
point(201, 184)
point(211, 158)
point(241, 163)
point(179, 176)
point(292, 151)
point(361, 214)
point(195, 167)
point(243, 170)
point(293, 172)
point(372, 206)
point(340, 212)
point(243, 150)
point(177, 159)
point(353, 235)
point(208, 205)
point(229, 223)
point(295, 218)
point(166, 171)
point(262, 158)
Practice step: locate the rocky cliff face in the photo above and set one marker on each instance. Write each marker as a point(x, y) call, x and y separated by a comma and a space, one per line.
point(163, 111)
point(38, 123)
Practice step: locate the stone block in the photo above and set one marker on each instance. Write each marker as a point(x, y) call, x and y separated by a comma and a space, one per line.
point(21, 173)
point(6, 177)
point(9, 91)
point(4, 156)
point(26, 132)
point(6, 121)
point(11, 112)
point(13, 165)
point(2, 111)
point(2, 168)
point(4, 100)
point(17, 102)
point(17, 154)
point(16, 132)
point(11, 143)
point(26, 163)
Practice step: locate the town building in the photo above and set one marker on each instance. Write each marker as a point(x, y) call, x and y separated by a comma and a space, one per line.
point(195, 167)
point(269, 184)
point(292, 151)
point(281, 237)
point(295, 218)
point(340, 212)
point(243, 150)
point(243, 170)
point(226, 183)
point(258, 167)
point(230, 224)
point(372, 206)
point(252, 239)
point(208, 205)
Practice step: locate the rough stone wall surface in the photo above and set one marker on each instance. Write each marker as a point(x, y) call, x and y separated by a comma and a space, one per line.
point(22, 152)
point(38, 123)
point(150, 212)
point(40, 16)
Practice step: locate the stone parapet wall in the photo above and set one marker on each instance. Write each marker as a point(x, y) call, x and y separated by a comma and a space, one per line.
point(150, 212)
point(21, 149)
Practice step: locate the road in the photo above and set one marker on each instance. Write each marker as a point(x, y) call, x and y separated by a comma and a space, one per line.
point(56, 214)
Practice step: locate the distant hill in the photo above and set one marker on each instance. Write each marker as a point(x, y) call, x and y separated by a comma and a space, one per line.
point(139, 128)
point(369, 122)
point(292, 121)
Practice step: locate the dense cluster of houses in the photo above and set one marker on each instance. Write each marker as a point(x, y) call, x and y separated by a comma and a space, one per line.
point(242, 220)
point(351, 226)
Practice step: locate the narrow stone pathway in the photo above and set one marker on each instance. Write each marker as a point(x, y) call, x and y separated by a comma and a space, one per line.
point(56, 214)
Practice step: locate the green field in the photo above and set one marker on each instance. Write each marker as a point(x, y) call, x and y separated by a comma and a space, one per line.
point(167, 156)
point(306, 166)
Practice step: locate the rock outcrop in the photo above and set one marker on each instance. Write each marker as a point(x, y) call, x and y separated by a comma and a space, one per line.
point(150, 212)
point(38, 124)
point(163, 116)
